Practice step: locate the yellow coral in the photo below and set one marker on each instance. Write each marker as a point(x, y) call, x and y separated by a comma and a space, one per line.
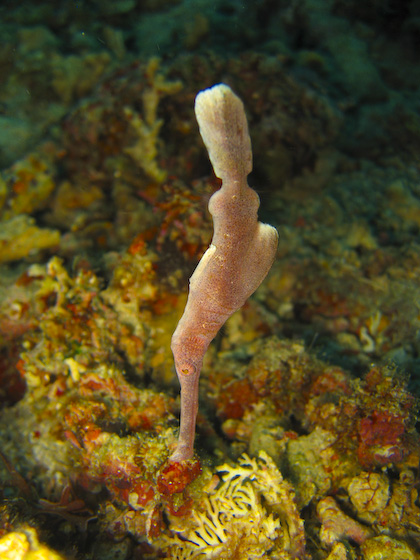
point(240, 518)
point(147, 127)
point(21, 237)
point(75, 76)
point(26, 186)
point(24, 545)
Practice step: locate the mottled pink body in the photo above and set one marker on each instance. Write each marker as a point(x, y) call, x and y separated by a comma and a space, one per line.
point(238, 259)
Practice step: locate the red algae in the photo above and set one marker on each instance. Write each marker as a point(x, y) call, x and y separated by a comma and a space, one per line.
point(176, 476)
point(381, 439)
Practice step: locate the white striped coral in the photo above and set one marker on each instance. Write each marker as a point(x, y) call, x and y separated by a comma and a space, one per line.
point(241, 517)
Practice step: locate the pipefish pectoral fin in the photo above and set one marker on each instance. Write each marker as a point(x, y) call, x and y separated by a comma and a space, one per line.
point(198, 273)
point(258, 259)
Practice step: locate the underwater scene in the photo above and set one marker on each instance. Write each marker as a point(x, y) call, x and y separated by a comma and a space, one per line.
point(300, 339)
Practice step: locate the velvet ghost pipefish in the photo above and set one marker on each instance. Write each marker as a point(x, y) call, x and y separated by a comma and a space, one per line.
point(239, 257)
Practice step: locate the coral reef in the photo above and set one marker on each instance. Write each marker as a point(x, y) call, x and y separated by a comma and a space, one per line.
point(307, 444)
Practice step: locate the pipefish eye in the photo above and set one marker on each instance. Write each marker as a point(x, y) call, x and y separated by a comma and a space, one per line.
point(188, 369)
